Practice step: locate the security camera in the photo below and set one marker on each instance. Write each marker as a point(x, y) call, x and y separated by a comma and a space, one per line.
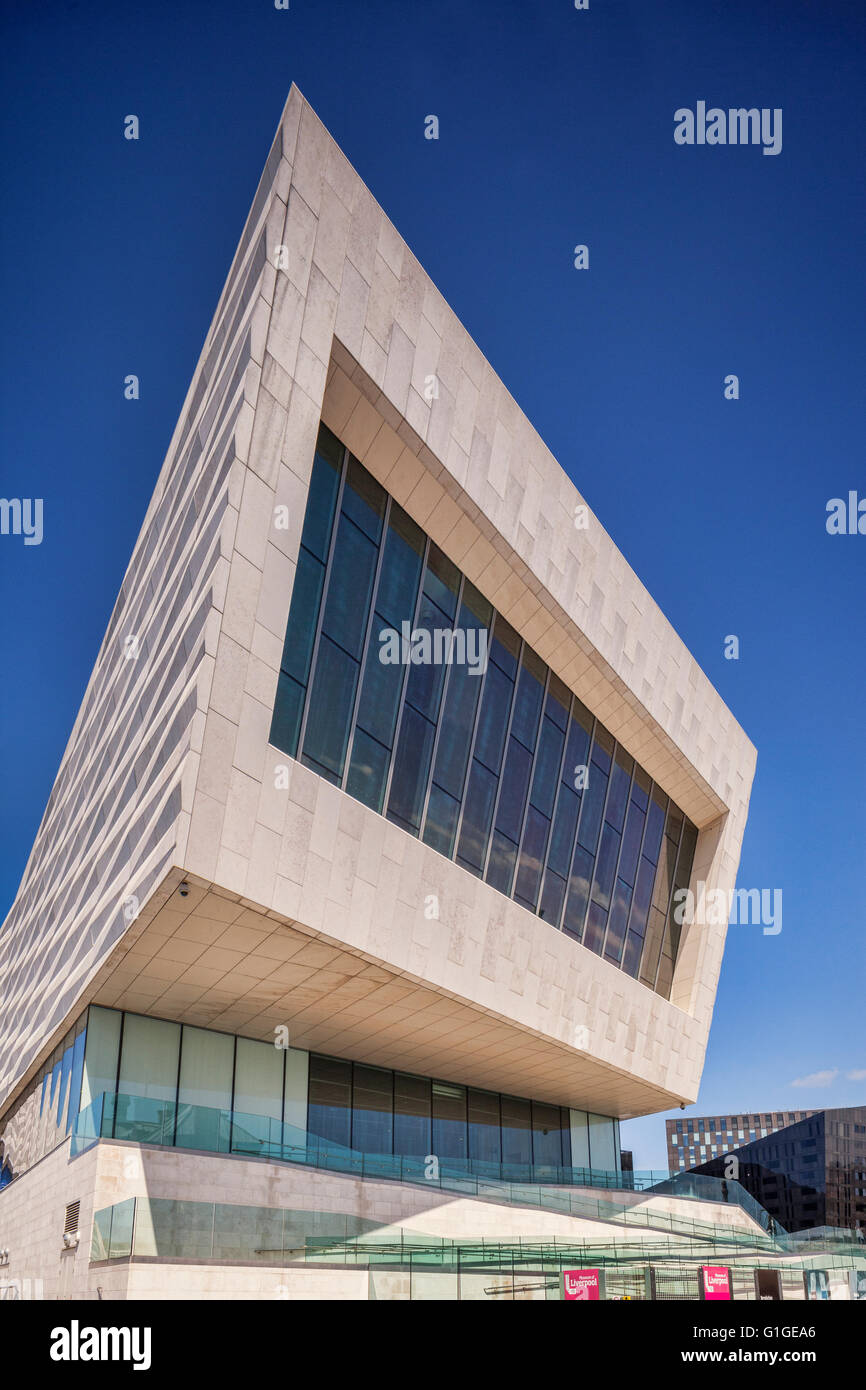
point(183, 890)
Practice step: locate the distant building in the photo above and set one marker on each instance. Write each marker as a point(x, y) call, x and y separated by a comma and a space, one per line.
point(701, 1137)
point(812, 1173)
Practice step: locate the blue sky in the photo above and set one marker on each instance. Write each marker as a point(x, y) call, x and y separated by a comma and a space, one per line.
point(556, 128)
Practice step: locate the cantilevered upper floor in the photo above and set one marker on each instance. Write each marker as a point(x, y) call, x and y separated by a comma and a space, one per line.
point(340, 429)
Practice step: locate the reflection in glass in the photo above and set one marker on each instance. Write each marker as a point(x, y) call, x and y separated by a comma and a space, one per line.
point(496, 765)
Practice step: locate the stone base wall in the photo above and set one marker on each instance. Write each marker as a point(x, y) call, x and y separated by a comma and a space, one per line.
point(32, 1211)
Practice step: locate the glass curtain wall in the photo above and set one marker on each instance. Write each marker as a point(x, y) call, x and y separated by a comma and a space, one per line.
point(377, 1111)
point(44, 1115)
point(187, 1085)
point(401, 684)
point(190, 1081)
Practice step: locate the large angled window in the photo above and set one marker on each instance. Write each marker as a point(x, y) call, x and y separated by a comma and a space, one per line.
point(402, 685)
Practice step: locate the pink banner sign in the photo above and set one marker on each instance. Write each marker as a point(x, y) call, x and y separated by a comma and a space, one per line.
point(715, 1281)
point(581, 1285)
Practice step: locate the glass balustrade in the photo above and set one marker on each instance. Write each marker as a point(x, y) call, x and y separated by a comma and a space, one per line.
point(439, 1267)
point(144, 1120)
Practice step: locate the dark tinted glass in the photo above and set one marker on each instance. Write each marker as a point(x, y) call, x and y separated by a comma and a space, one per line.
point(552, 898)
point(477, 816)
point(620, 782)
point(632, 954)
point(493, 719)
point(364, 500)
point(322, 497)
point(455, 736)
point(401, 569)
point(687, 853)
point(485, 1145)
point(641, 788)
point(441, 582)
point(655, 824)
point(381, 689)
point(515, 785)
point(546, 775)
point(578, 893)
point(383, 1112)
point(565, 1131)
point(505, 647)
point(449, 1121)
point(546, 1136)
point(592, 805)
point(605, 866)
point(440, 825)
point(577, 748)
point(288, 708)
point(411, 1115)
point(558, 702)
point(562, 835)
point(616, 926)
point(427, 676)
point(507, 793)
point(602, 748)
point(303, 617)
point(347, 602)
point(596, 922)
point(368, 770)
point(652, 947)
point(411, 766)
point(642, 896)
point(372, 1109)
point(527, 704)
point(531, 858)
point(665, 874)
point(501, 863)
point(516, 1131)
point(631, 841)
point(330, 708)
point(474, 607)
point(674, 823)
point(330, 1100)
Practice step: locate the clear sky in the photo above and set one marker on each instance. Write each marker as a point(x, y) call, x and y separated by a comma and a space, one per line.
point(556, 129)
